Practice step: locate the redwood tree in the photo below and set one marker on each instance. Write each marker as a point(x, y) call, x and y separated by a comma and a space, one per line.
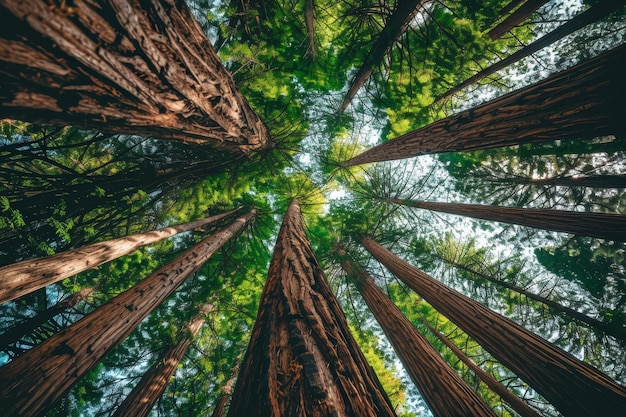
point(515, 18)
point(302, 359)
point(581, 102)
point(27, 276)
point(120, 66)
point(142, 398)
point(441, 387)
point(570, 385)
point(611, 226)
point(31, 384)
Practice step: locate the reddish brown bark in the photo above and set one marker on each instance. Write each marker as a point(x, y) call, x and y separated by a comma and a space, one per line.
point(610, 226)
point(220, 406)
point(570, 385)
point(581, 102)
point(512, 5)
point(617, 332)
point(309, 20)
point(142, 398)
point(121, 66)
point(31, 384)
point(397, 24)
point(27, 276)
point(441, 387)
point(26, 327)
point(302, 359)
point(595, 13)
point(515, 18)
point(507, 396)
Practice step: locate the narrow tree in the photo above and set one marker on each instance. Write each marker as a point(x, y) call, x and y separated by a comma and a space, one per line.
point(143, 68)
point(580, 102)
point(610, 226)
point(596, 12)
point(606, 328)
point(20, 330)
point(30, 275)
point(507, 396)
point(592, 181)
point(219, 410)
point(302, 359)
point(142, 398)
point(441, 387)
point(515, 18)
point(31, 384)
point(309, 20)
point(570, 385)
point(395, 26)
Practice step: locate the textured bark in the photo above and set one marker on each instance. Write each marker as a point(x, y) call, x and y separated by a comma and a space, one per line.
point(120, 66)
point(441, 387)
point(142, 398)
point(26, 327)
point(595, 13)
point(571, 386)
point(617, 332)
point(515, 18)
point(610, 226)
point(507, 396)
point(30, 275)
point(397, 24)
point(220, 406)
point(309, 20)
point(584, 101)
point(33, 383)
point(302, 359)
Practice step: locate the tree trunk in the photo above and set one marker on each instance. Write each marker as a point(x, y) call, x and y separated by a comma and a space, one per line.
point(142, 398)
point(309, 20)
point(33, 383)
point(595, 13)
point(591, 181)
point(27, 276)
point(617, 332)
point(583, 101)
point(220, 406)
point(441, 387)
point(397, 24)
point(26, 327)
point(131, 67)
point(570, 385)
point(507, 396)
point(610, 226)
point(515, 18)
point(512, 5)
point(302, 359)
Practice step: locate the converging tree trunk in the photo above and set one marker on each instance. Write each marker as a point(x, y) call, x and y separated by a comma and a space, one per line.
point(302, 359)
point(119, 66)
point(20, 330)
point(142, 398)
point(611, 226)
point(507, 396)
point(515, 18)
point(30, 275)
point(32, 384)
point(596, 12)
point(570, 385)
point(395, 26)
point(581, 102)
point(592, 181)
point(618, 332)
point(309, 20)
point(441, 387)
point(219, 410)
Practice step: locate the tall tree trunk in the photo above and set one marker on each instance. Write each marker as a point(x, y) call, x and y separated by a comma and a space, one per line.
point(220, 406)
point(26, 327)
point(397, 24)
point(142, 398)
point(27, 276)
point(591, 181)
point(570, 385)
point(617, 332)
point(309, 20)
point(302, 359)
point(583, 101)
point(510, 6)
point(610, 226)
point(119, 66)
point(515, 18)
point(507, 396)
point(33, 383)
point(595, 13)
point(441, 387)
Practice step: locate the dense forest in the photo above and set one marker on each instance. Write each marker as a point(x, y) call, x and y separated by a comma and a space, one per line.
point(312, 208)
